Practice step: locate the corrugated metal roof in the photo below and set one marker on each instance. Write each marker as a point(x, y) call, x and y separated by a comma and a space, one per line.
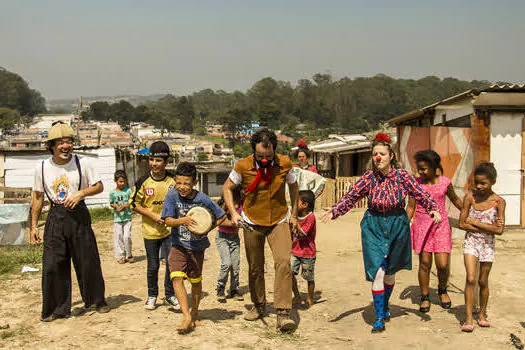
point(418, 113)
point(512, 100)
point(340, 144)
point(504, 87)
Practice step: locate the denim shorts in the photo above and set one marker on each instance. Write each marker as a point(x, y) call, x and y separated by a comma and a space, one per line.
point(307, 266)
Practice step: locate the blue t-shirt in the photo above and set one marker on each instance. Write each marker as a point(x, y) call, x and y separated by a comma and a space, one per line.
point(176, 207)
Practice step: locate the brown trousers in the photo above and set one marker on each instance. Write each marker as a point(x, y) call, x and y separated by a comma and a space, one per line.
point(281, 245)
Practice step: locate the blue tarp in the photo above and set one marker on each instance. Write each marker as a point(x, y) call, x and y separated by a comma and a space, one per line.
point(13, 219)
point(143, 151)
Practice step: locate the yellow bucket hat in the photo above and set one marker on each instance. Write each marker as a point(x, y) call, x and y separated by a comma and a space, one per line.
point(60, 130)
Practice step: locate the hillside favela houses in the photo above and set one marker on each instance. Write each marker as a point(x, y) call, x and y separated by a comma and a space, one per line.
point(466, 129)
point(111, 148)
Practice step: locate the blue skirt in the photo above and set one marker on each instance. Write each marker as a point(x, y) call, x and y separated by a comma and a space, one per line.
point(386, 236)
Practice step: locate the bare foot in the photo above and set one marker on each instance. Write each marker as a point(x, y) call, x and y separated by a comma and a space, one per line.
point(195, 318)
point(309, 302)
point(297, 301)
point(482, 317)
point(186, 326)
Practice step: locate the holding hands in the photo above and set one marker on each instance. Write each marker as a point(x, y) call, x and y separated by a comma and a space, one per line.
point(436, 216)
point(327, 216)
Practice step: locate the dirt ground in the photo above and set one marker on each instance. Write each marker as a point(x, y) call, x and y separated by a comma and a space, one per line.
point(341, 318)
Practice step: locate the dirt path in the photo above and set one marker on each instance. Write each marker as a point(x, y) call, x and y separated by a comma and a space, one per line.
point(341, 318)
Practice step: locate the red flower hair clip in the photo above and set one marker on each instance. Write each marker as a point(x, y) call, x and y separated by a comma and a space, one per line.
point(301, 143)
point(382, 138)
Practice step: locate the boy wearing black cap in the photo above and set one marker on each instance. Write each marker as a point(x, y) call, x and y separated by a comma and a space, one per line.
point(147, 200)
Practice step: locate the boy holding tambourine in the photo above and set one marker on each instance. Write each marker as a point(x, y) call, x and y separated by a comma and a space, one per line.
point(189, 238)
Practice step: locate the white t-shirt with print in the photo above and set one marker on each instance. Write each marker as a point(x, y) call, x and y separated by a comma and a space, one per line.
point(61, 181)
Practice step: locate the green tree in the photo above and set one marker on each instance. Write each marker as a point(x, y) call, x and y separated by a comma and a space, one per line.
point(8, 118)
point(15, 94)
point(98, 111)
point(241, 150)
point(185, 114)
point(202, 157)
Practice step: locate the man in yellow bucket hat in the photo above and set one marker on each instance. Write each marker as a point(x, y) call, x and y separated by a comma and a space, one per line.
point(66, 180)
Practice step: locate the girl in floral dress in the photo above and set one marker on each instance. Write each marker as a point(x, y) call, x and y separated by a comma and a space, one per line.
point(385, 226)
point(482, 216)
point(428, 238)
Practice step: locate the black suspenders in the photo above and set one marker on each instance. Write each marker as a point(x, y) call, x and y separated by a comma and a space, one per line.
point(77, 162)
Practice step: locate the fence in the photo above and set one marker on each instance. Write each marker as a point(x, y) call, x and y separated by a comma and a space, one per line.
point(343, 185)
point(335, 189)
point(9, 195)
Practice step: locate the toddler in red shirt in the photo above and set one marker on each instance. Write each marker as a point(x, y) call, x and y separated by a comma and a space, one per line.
point(303, 247)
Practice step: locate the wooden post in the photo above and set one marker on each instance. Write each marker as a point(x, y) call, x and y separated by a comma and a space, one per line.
point(336, 165)
point(480, 124)
point(124, 158)
point(522, 197)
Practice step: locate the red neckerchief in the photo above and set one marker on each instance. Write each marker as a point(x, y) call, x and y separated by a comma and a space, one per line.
point(262, 174)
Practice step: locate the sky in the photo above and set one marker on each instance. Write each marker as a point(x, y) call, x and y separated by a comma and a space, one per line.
point(70, 48)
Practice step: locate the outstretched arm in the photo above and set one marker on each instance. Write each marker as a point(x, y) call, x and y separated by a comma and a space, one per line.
point(227, 194)
point(411, 208)
point(349, 200)
point(453, 197)
point(420, 196)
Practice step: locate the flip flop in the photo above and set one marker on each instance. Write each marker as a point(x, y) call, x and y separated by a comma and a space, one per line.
point(484, 323)
point(468, 328)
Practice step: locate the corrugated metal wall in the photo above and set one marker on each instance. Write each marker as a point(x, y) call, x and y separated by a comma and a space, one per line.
point(505, 153)
point(19, 170)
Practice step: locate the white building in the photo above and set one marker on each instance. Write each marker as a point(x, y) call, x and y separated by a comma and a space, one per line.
point(17, 169)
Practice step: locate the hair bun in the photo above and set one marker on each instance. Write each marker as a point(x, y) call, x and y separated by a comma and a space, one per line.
point(382, 138)
point(301, 143)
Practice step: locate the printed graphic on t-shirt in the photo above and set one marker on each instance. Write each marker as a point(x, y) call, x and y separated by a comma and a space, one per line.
point(185, 233)
point(150, 191)
point(61, 188)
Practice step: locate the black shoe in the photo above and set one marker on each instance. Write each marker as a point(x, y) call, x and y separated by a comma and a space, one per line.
point(236, 294)
point(425, 309)
point(446, 305)
point(220, 295)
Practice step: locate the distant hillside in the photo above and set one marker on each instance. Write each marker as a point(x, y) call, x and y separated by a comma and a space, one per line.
point(69, 105)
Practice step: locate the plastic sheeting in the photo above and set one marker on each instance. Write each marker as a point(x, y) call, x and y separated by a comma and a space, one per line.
point(13, 222)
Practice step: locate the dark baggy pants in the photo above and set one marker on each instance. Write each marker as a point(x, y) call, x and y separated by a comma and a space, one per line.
point(68, 236)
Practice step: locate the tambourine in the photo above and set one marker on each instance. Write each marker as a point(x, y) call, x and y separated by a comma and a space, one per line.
point(204, 219)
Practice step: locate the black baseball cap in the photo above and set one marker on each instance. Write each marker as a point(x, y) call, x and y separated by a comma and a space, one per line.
point(159, 149)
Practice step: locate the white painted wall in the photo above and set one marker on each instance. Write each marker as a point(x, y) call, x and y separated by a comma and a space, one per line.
point(505, 153)
point(19, 171)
